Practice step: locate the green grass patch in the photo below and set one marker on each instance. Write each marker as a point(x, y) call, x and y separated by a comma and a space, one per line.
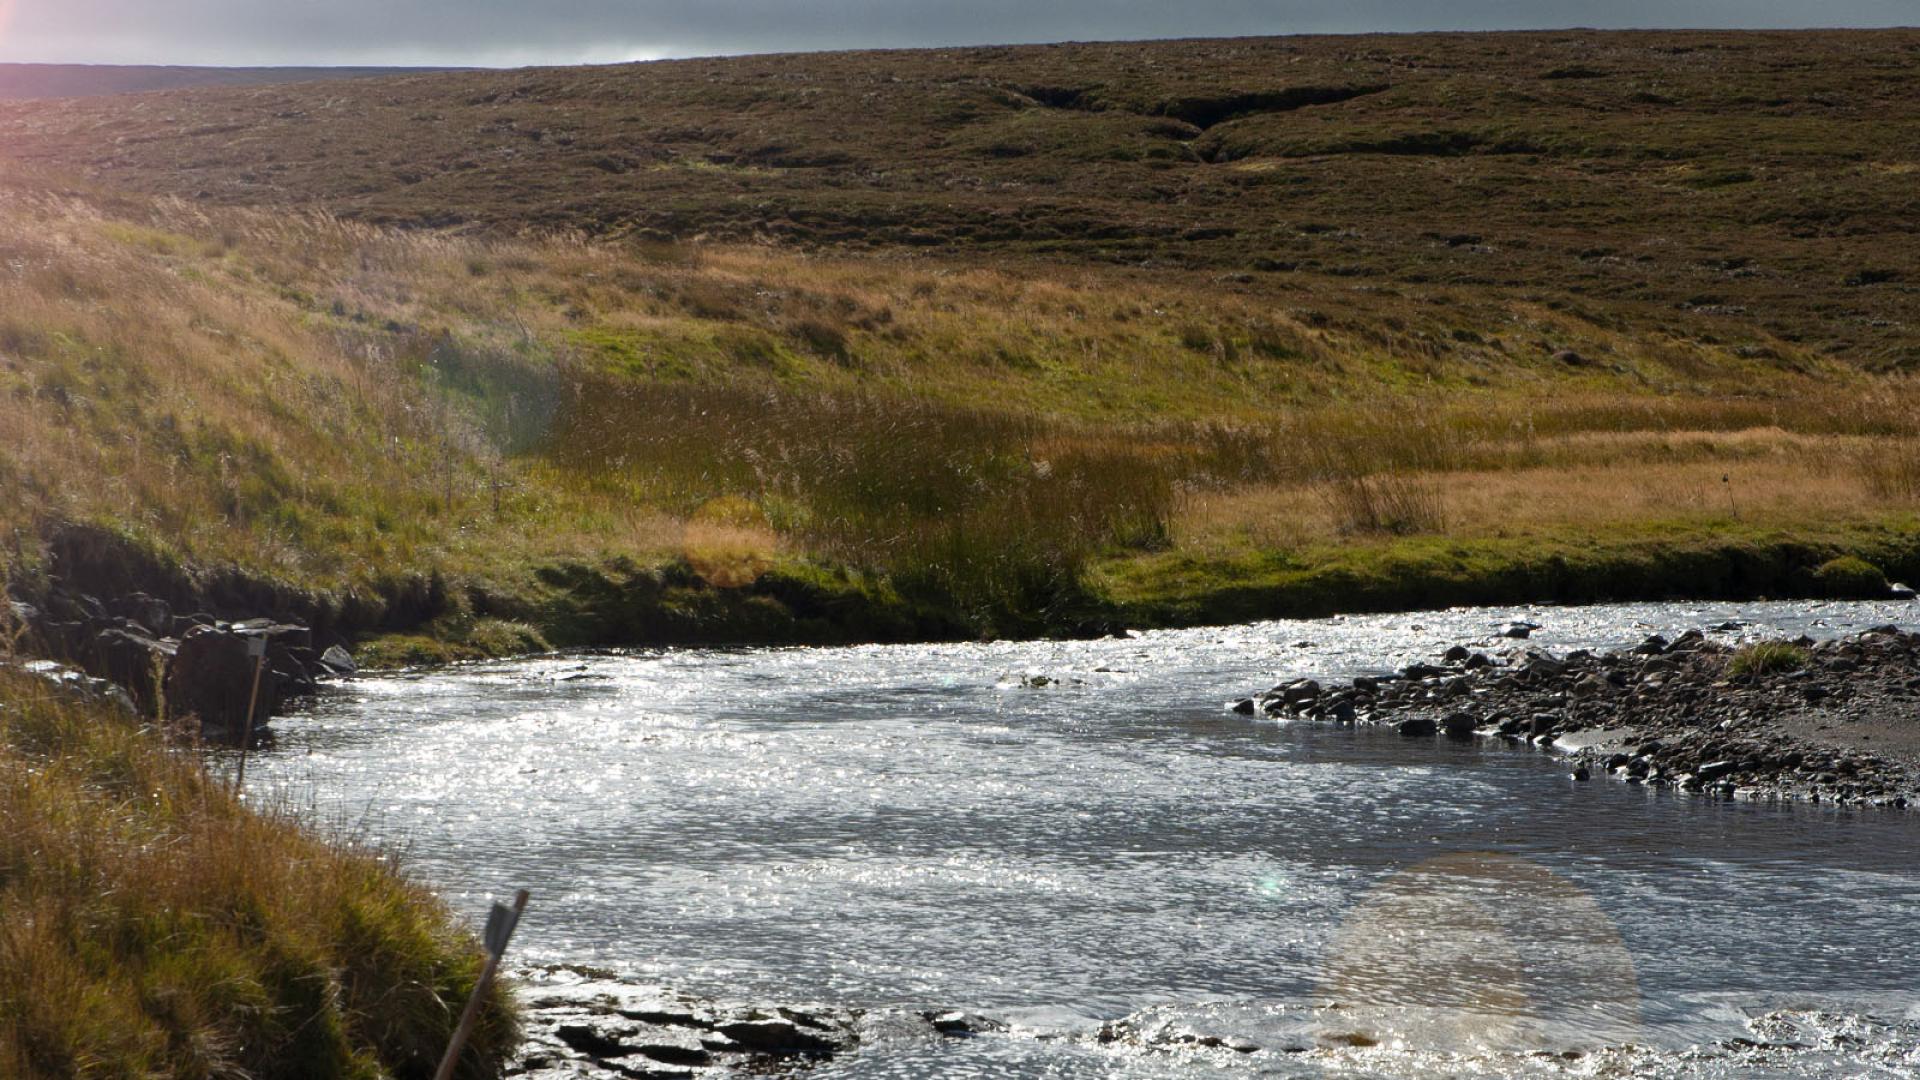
point(1675, 561)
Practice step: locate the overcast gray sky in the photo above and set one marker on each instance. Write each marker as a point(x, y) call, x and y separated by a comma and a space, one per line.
point(509, 32)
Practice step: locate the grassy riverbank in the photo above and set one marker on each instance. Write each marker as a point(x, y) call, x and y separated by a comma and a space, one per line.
point(504, 443)
point(156, 926)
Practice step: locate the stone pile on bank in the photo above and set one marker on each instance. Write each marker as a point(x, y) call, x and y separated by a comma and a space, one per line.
point(1832, 721)
point(135, 650)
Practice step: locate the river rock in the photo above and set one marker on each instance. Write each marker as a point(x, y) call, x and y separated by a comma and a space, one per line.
point(1300, 693)
point(184, 623)
point(1416, 726)
point(294, 668)
point(21, 620)
point(1714, 770)
point(1898, 591)
point(67, 605)
point(338, 662)
point(961, 1024)
point(1459, 725)
point(597, 1036)
point(779, 1036)
point(78, 686)
point(211, 679)
point(290, 654)
point(1542, 666)
point(152, 613)
point(132, 660)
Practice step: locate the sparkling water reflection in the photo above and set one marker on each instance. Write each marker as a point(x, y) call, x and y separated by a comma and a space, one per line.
point(920, 825)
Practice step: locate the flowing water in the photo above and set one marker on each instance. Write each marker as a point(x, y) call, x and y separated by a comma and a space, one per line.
point(925, 826)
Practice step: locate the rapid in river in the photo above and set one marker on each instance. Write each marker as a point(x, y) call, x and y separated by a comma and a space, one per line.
point(1071, 836)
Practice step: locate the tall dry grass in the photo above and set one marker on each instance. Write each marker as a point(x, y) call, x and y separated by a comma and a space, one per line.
point(1891, 469)
point(991, 512)
point(157, 926)
point(1769, 480)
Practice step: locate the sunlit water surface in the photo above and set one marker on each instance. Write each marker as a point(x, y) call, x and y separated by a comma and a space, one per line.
point(913, 825)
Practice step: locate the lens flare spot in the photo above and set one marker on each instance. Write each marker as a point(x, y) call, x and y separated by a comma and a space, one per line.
point(1479, 951)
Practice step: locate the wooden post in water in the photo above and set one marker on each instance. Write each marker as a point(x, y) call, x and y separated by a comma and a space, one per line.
point(501, 922)
point(256, 648)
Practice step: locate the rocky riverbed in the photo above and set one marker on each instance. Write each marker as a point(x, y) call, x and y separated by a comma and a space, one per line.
point(588, 1025)
point(1832, 721)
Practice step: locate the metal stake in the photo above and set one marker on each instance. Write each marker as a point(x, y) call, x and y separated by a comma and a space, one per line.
point(501, 923)
point(257, 648)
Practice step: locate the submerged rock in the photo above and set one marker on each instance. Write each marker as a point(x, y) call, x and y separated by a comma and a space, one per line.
point(960, 1024)
point(782, 1037)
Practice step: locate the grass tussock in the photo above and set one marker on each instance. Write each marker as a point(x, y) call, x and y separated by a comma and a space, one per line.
point(157, 926)
point(1766, 658)
point(1384, 503)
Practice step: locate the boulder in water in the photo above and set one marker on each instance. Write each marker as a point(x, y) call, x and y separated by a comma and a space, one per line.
point(339, 663)
point(211, 679)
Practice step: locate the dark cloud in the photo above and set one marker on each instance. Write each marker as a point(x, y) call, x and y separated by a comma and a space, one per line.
point(564, 31)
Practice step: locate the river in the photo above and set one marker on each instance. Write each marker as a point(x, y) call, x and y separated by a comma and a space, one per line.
point(1067, 834)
